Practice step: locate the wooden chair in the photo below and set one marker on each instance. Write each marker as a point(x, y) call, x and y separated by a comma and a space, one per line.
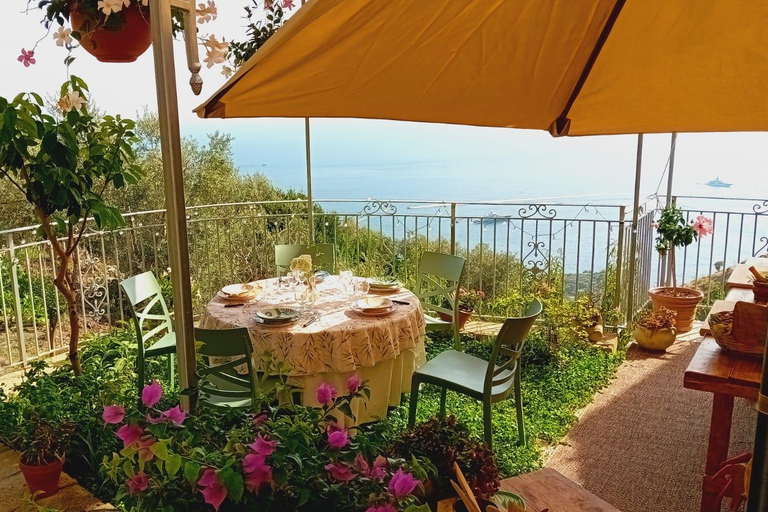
point(148, 305)
point(486, 381)
point(323, 256)
point(437, 280)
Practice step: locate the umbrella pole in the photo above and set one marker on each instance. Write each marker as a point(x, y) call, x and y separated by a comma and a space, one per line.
point(310, 205)
point(176, 220)
point(633, 233)
point(666, 268)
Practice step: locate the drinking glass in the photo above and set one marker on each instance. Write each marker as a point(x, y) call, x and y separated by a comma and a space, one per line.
point(361, 288)
point(346, 281)
point(301, 294)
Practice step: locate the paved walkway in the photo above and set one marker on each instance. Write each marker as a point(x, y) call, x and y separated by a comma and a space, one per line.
point(641, 445)
point(14, 492)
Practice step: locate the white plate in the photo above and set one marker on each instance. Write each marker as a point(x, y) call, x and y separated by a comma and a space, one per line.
point(374, 304)
point(375, 312)
point(241, 289)
point(277, 315)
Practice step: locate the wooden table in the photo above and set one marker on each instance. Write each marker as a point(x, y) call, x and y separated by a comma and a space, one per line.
point(547, 489)
point(726, 376)
point(741, 277)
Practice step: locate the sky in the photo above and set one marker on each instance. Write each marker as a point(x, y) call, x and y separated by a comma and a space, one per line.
point(276, 146)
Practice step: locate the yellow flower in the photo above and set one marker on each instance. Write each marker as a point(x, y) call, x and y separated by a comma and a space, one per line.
point(303, 264)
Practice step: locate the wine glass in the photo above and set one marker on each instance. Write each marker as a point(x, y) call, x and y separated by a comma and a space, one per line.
point(301, 294)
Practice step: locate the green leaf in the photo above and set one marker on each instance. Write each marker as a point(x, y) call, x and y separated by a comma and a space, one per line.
point(191, 471)
point(233, 482)
point(128, 468)
point(174, 464)
point(160, 449)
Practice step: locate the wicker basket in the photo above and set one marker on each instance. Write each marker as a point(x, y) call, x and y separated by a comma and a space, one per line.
point(742, 331)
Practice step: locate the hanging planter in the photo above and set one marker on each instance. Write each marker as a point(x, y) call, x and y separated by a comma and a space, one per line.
point(123, 37)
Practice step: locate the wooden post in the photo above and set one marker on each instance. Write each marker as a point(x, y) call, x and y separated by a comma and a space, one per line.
point(178, 249)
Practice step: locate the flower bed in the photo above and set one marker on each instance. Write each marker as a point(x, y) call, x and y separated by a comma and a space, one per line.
point(152, 456)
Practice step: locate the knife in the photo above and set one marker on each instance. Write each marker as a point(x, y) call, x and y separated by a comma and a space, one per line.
point(306, 324)
point(401, 302)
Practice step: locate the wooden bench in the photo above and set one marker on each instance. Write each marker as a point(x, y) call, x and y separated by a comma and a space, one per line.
point(547, 489)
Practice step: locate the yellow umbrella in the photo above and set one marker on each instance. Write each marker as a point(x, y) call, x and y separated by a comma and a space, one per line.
point(573, 67)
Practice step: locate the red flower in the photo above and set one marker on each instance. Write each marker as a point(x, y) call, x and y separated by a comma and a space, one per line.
point(113, 414)
point(263, 447)
point(213, 492)
point(27, 57)
point(340, 472)
point(129, 434)
point(137, 483)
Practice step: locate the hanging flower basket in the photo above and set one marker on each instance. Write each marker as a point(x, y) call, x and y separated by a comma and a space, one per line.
point(123, 38)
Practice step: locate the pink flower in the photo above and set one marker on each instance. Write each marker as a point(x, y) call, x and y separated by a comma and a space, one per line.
point(174, 416)
point(288, 4)
point(151, 394)
point(113, 414)
point(340, 472)
point(338, 437)
point(268, 5)
point(354, 383)
point(129, 434)
point(402, 484)
point(382, 508)
point(137, 483)
point(257, 471)
point(27, 57)
point(325, 394)
point(213, 492)
point(263, 447)
point(378, 471)
point(703, 226)
point(260, 418)
point(145, 448)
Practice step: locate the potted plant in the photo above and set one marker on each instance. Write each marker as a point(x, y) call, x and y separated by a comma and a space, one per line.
point(672, 232)
point(655, 329)
point(42, 443)
point(113, 30)
point(589, 317)
point(469, 301)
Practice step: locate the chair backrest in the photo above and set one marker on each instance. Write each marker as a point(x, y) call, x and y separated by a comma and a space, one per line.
point(439, 277)
point(323, 256)
point(220, 377)
point(509, 344)
point(147, 304)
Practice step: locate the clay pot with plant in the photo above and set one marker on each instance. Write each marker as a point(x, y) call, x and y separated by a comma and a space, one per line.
point(589, 318)
point(43, 443)
point(469, 301)
point(655, 329)
point(674, 232)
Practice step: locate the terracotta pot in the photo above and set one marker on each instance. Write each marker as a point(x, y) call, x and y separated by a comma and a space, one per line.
point(42, 478)
point(684, 306)
point(761, 291)
point(595, 333)
point(122, 44)
point(659, 339)
point(464, 317)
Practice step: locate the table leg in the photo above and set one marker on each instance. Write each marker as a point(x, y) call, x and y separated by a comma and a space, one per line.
point(717, 451)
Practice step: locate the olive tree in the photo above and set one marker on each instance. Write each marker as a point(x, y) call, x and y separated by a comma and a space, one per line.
point(64, 163)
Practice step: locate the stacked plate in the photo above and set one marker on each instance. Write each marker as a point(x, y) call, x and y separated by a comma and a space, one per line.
point(238, 293)
point(384, 285)
point(276, 316)
point(373, 306)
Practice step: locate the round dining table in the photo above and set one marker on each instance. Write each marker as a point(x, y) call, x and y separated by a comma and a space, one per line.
point(331, 341)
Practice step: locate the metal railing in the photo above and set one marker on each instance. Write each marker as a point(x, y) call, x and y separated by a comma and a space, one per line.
point(571, 248)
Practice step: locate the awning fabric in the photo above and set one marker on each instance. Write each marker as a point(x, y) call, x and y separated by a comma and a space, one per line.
point(573, 67)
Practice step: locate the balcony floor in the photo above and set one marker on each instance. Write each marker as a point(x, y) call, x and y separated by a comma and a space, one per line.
point(642, 443)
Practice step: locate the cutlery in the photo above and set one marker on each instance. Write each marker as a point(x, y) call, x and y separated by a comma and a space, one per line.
point(466, 489)
point(308, 322)
point(464, 498)
point(401, 302)
point(234, 305)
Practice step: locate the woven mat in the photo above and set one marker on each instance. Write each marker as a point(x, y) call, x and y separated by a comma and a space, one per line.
point(641, 445)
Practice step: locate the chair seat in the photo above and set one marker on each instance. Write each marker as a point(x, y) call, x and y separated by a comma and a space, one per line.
point(165, 345)
point(232, 403)
point(462, 372)
point(435, 324)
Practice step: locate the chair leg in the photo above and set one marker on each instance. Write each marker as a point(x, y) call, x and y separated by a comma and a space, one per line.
point(415, 383)
point(140, 375)
point(443, 394)
point(487, 433)
point(171, 372)
point(519, 408)
point(456, 334)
